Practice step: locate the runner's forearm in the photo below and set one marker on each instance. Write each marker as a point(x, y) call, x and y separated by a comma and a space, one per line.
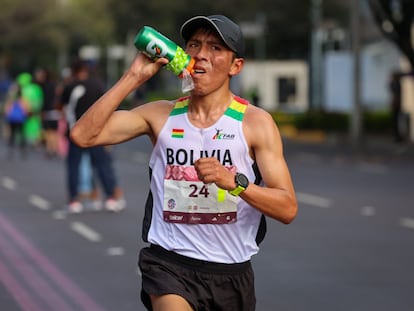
point(92, 124)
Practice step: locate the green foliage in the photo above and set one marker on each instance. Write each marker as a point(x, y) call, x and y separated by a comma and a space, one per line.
point(314, 120)
point(36, 32)
point(377, 122)
point(33, 33)
point(90, 20)
point(373, 122)
point(394, 19)
point(323, 121)
point(287, 24)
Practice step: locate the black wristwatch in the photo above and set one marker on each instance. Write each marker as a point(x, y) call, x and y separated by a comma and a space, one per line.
point(242, 182)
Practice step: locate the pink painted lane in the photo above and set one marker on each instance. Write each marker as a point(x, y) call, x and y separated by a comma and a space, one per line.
point(22, 297)
point(59, 287)
point(29, 277)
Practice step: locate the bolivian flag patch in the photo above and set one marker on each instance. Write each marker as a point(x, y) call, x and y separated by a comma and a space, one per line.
point(177, 133)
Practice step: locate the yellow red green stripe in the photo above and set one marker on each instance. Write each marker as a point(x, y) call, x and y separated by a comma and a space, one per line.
point(237, 108)
point(181, 106)
point(177, 133)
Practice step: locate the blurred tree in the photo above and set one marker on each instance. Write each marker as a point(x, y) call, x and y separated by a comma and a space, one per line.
point(395, 18)
point(287, 23)
point(33, 33)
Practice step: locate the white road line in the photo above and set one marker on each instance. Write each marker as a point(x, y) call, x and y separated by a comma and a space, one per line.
point(85, 231)
point(39, 202)
point(315, 200)
point(8, 183)
point(373, 168)
point(115, 251)
point(59, 215)
point(141, 157)
point(407, 223)
point(368, 211)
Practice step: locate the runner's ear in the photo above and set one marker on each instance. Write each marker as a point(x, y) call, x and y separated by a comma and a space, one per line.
point(236, 66)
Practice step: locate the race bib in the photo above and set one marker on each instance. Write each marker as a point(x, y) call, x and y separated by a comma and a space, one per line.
point(187, 200)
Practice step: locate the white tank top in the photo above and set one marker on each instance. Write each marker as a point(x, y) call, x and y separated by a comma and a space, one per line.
point(190, 218)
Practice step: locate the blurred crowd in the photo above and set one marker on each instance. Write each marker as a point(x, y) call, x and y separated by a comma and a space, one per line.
point(36, 113)
point(33, 116)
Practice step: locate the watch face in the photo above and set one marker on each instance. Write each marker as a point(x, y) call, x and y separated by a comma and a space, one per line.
point(242, 180)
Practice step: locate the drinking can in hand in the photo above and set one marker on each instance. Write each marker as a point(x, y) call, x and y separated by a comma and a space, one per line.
point(155, 45)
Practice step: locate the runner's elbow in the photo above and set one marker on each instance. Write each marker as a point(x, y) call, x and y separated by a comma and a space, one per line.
point(291, 213)
point(77, 135)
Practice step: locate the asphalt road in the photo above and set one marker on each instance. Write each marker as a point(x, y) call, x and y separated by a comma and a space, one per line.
point(350, 248)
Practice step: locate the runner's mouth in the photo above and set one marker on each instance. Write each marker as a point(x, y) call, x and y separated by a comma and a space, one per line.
point(199, 71)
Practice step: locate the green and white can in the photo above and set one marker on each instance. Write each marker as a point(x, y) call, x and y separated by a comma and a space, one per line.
point(156, 45)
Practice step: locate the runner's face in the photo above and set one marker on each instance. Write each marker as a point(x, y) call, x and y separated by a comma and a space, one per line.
point(214, 61)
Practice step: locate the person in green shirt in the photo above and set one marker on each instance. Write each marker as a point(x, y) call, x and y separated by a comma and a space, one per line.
point(33, 95)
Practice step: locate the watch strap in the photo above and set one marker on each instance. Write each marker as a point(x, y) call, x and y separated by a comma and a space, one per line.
point(236, 191)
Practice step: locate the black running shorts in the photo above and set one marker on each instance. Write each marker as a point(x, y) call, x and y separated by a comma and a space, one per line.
point(205, 285)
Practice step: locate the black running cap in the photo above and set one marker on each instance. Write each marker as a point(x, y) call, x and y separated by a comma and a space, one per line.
point(229, 31)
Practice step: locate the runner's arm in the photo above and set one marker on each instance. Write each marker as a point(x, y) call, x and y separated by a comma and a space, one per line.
point(277, 198)
point(101, 124)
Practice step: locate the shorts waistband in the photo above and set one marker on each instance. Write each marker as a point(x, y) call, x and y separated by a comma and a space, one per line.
point(200, 265)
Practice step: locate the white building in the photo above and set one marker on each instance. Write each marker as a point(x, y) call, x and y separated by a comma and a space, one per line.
point(377, 60)
point(284, 85)
point(281, 85)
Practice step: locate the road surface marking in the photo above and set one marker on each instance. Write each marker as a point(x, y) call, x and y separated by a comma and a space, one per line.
point(30, 276)
point(8, 183)
point(59, 215)
point(407, 222)
point(40, 263)
point(85, 231)
point(368, 211)
point(141, 157)
point(39, 202)
point(315, 200)
point(17, 290)
point(115, 251)
point(373, 168)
